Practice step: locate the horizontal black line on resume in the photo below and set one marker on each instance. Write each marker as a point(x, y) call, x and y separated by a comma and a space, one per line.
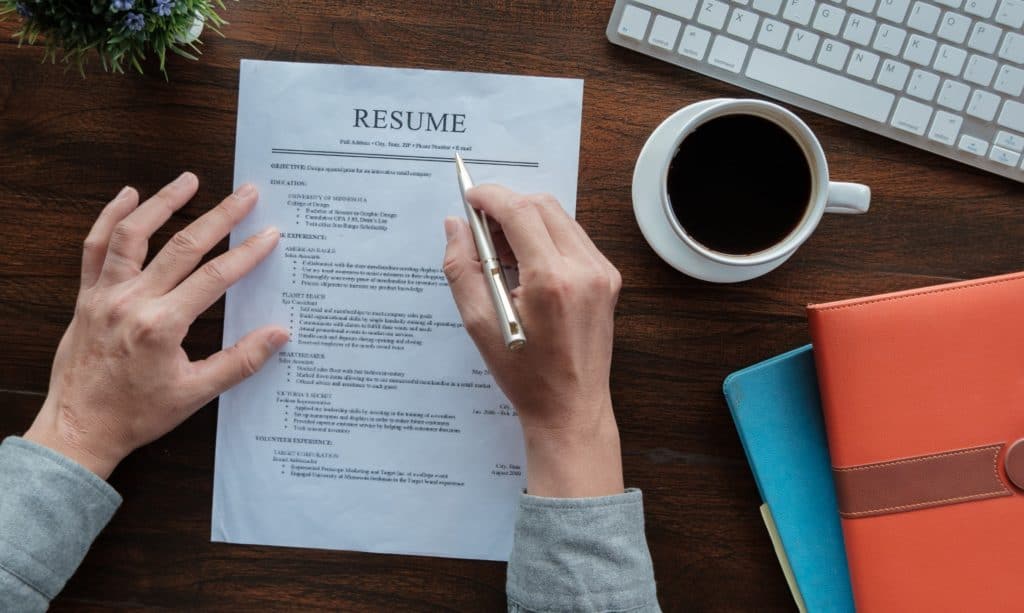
point(406, 158)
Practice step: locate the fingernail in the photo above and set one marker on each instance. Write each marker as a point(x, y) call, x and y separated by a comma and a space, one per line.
point(451, 226)
point(244, 190)
point(268, 231)
point(124, 190)
point(183, 178)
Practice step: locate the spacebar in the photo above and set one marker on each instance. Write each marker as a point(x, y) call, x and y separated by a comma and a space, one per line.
point(821, 85)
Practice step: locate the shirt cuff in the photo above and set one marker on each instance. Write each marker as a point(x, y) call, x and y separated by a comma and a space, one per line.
point(581, 554)
point(51, 510)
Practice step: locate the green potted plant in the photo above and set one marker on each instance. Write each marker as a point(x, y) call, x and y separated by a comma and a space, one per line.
point(122, 33)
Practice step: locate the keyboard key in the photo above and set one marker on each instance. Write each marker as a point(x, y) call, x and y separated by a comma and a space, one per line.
point(1009, 140)
point(798, 11)
point(919, 50)
point(893, 75)
point(679, 8)
point(773, 34)
point(1012, 116)
point(829, 19)
point(802, 44)
point(893, 10)
point(954, 27)
point(953, 95)
point(980, 70)
point(1004, 156)
point(712, 14)
point(694, 42)
point(1010, 81)
point(973, 144)
point(980, 8)
point(923, 17)
point(945, 128)
point(743, 24)
point(863, 64)
point(833, 54)
point(1011, 13)
point(984, 37)
point(950, 60)
point(923, 85)
point(1013, 48)
point(728, 54)
point(826, 87)
point(768, 6)
point(634, 22)
point(889, 39)
point(859, 29)
point(911, 116)
point(953, 4)
point(664, 32)
point(983, 105)
point(866, 6)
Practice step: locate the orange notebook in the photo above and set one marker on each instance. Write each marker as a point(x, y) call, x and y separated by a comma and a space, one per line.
point(923, 397)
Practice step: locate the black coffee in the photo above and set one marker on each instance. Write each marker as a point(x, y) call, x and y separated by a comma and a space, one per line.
point(739, 184)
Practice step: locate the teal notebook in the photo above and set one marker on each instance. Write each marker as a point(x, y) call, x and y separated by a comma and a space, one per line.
point(777, 411)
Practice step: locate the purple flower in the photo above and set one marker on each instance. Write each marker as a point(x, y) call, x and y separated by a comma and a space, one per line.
point(23, 10)
point(163, 7)
point(134, 22)
point(122, 5)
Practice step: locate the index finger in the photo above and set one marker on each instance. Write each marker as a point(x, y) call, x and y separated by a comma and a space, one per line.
point(520, 221)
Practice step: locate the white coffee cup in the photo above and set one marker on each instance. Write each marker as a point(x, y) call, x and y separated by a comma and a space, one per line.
point(670, 240)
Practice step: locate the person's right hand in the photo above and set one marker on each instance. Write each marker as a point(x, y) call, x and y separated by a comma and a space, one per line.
point(120, 377)
point(558, 382)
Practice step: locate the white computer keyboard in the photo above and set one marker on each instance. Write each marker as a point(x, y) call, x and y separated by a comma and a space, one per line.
point(942, 75)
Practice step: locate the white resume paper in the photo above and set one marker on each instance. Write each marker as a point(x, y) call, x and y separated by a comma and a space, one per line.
point(377, 427)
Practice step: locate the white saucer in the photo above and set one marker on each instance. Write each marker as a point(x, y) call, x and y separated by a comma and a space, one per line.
point(652, 215)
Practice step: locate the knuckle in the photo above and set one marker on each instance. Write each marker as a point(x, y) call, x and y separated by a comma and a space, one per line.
point(248, 364)
point(92, 244)
point(214, 272)
point(250, 243)
point(597, 282)
point(520, 205)
point(227, 213)
point(453, 269)
point(185, 241)
point(166, 198)
point(616, 280)
point(87, 306)
point(555, 285)
point(118, 309)
point(546, 200)
point(148, 325)
point(124, 232)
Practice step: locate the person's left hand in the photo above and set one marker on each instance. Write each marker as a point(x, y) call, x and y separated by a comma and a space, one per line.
point(120, 377)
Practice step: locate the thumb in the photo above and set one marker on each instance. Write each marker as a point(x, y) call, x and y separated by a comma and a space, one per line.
point(466, 281)
point(229, 367)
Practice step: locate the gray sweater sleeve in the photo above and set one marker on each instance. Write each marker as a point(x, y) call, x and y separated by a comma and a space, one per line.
point(584, 554)
point(581, 554)
point(51, 510)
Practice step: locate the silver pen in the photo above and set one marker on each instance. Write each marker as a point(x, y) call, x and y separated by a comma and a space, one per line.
point(511, 327)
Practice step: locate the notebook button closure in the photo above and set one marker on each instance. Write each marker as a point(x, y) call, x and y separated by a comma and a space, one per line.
point(1014, 463)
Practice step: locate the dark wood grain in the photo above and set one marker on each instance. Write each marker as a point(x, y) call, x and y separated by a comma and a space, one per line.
point(67, 144)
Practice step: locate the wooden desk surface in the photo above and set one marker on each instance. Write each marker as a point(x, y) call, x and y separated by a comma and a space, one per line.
point(68, 144)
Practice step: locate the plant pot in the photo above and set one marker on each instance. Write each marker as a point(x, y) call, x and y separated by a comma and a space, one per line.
point(198, 22)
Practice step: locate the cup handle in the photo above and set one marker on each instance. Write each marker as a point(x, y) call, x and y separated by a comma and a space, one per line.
point(848, 198)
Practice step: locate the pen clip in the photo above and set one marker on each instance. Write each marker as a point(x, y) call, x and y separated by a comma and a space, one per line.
point(512, 329)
